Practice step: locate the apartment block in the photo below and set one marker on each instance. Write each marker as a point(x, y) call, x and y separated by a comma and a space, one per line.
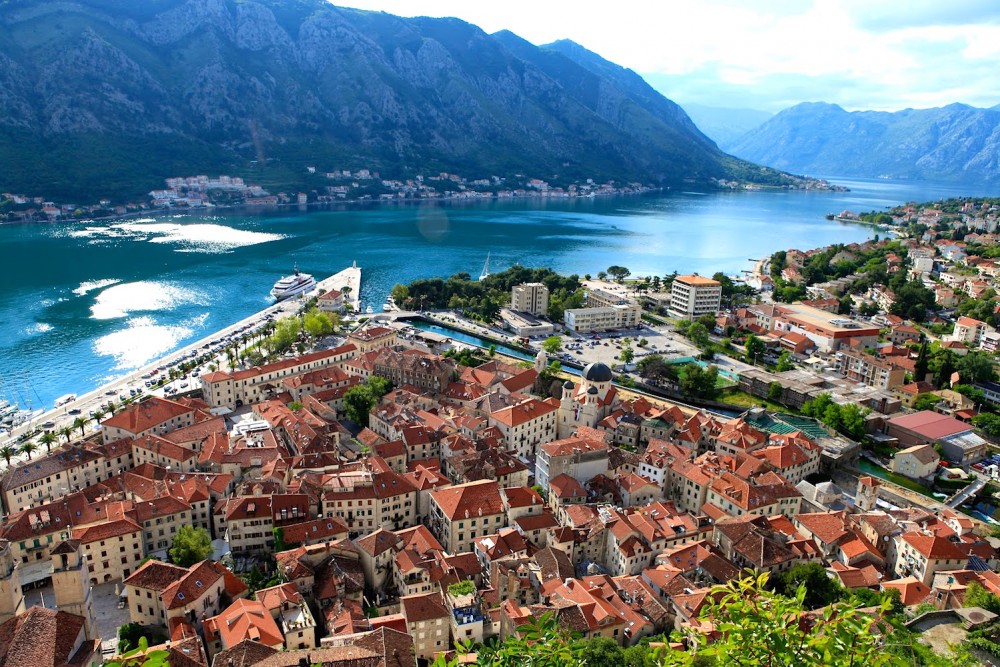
point(530, 298)
point(693, 296)
point(602, 318)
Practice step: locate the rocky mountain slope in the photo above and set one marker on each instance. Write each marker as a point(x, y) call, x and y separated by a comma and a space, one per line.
point(110, 96)
point(952, 143)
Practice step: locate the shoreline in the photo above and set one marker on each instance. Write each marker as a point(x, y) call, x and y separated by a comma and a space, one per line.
point(90, 400)
point(349, 203)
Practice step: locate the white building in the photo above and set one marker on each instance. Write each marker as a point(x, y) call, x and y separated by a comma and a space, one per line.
point(586, 320)
point(693, 296)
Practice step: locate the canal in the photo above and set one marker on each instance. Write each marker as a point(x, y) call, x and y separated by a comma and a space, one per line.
point(471, 339)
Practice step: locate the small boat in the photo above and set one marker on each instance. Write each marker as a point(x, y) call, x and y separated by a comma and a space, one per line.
point(486, 268)
point(369, 311)
point(389, 305)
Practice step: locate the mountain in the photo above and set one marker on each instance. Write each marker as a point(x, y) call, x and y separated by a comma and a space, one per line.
point(952, 143)
point(725, 125)
point(104, 97)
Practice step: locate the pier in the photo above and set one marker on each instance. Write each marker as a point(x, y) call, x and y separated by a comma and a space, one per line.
point(90, 401)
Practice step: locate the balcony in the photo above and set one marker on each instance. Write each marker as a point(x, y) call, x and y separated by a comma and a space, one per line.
point(467, 615)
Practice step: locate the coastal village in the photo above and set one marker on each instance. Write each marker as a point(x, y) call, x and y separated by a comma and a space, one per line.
point(379, 501)
point(197, 193)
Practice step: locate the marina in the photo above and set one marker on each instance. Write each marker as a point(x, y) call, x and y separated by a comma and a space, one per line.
point(70, 406)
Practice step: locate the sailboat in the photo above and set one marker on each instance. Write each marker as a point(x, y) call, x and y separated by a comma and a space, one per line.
point(486, 268)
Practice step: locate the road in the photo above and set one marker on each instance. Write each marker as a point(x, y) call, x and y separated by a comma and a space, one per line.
point(90, 401)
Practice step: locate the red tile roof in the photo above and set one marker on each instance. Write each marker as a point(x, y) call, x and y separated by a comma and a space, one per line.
point(480, 498)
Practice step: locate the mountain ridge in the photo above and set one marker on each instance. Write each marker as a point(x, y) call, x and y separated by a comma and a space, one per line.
point(956, 142)
point(120, 95)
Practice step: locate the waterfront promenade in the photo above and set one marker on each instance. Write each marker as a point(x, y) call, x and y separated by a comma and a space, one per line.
point(90, 401)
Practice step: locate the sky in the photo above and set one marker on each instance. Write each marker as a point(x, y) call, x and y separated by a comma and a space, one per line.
point(767, 54)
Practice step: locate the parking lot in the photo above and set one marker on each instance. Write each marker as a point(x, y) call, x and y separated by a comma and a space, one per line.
point(605, 347)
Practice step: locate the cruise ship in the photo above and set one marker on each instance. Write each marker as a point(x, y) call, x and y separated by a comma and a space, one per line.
point(293, 285)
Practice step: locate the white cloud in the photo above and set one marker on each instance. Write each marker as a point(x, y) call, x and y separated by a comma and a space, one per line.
point(898, 53)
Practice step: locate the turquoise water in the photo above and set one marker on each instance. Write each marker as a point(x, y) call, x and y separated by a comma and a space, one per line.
point(464, 337)
point(84, 303)
point(735, 377)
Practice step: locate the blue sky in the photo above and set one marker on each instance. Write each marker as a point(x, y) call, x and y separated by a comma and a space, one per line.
point(767, 54)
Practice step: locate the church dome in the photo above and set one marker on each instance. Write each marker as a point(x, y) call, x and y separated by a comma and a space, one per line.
point(567, 385)
point(597, 372)
point(592, 390)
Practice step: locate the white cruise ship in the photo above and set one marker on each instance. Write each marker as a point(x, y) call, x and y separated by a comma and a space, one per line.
point(292, 285)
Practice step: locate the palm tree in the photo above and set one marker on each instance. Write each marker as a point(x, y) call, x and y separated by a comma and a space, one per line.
point(66, 432)
point(8, 452)
point(81, 423)
point(27, 447)
point(111, 407)
point(48, 439)
point(98, 413)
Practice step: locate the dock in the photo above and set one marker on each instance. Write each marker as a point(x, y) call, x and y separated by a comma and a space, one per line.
point(349, 278)
point(91, 400)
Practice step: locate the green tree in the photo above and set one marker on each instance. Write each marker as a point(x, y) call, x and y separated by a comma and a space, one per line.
point(977, 596)
point(8, 452)
point(48, 439)
point(845, 305)
point(400, 295)
point(81, 423)
point(755, 348)
point(619, 273)
point(764, 629)
point(317, 324)
point(821, 589)
point(66, 432)
point(775, 391)
point(926, 401)
point(358, 404)
point(976, 367)
point(552, 344)
point(627, 355)
point(191, 545)
point(784, 362)
point(852, 420)
point(601, 652)
point(699, 382)
point(28, 447)
point(920, 367)
point(698, 334)
point(988, 423)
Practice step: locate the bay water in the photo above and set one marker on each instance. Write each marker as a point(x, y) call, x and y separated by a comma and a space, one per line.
point(87, 302)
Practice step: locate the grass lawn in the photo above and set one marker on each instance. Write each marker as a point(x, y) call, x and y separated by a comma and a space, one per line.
point(743, 399)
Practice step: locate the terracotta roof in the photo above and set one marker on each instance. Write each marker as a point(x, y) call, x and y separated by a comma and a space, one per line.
point(480, 498)
point(934, 547)
point(930, 424)
point(43, 637)
point(244, 619)
point(419, 608)
point(524, 412)
point(911, 590)
point(147, 414)
point(155, 575)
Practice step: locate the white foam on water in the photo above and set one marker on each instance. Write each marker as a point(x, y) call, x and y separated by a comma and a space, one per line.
point(37, 328)
point(141, 341)
point(121, 299)
point(196, 237)
point(91, 285)
point(204, 237)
